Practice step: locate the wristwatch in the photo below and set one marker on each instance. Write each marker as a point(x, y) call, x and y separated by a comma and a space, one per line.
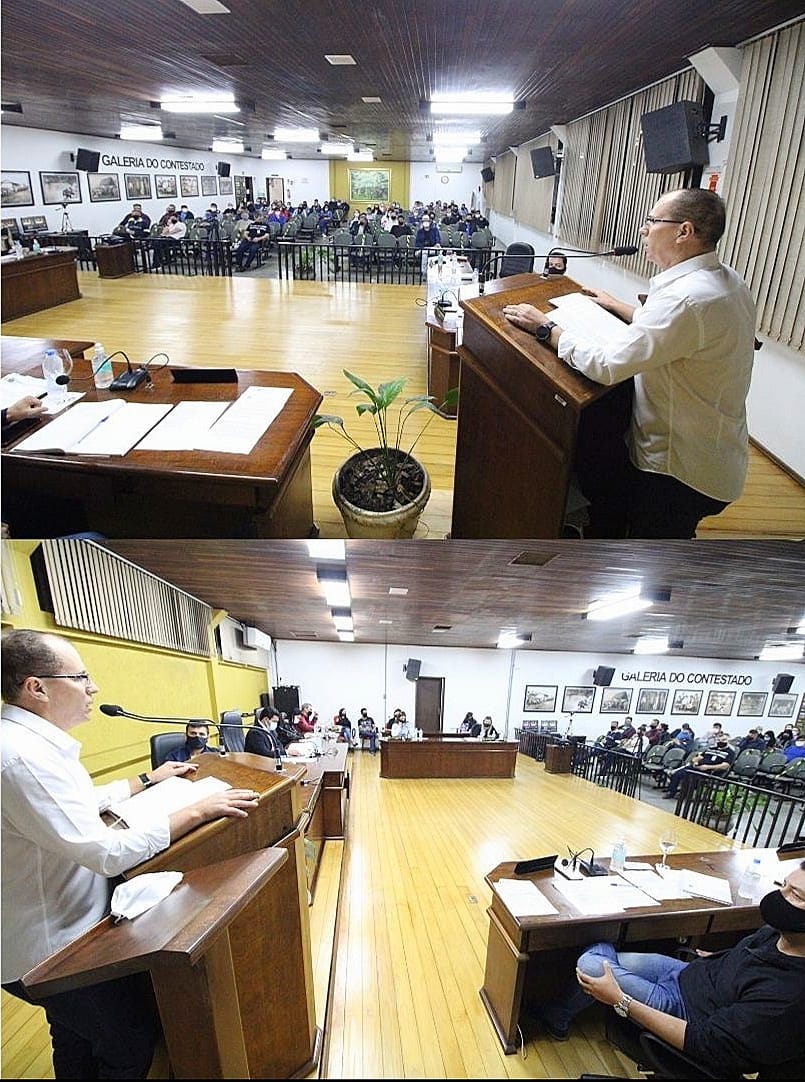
point(147, 783)
point(543, 332)
point(622, 1006)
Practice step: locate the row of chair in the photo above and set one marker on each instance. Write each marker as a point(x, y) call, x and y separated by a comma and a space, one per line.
point(230, 729)
point(769, 768)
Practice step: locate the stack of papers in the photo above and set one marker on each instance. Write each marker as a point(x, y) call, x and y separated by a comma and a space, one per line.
point(524, 899)
point(242, 425)
point(669, 883)
point(83, 429)
point(15, 386)
point(602, 894)
point(584, 318)
point(164, 798)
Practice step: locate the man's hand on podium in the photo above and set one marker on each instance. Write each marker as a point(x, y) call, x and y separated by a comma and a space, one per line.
point(172, 770)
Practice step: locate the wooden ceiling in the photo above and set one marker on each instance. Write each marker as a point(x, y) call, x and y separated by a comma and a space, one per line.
point(87, 65)
point(727, 599)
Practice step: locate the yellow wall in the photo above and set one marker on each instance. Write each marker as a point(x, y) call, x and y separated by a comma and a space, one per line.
point(143, 679)
point(398, 182)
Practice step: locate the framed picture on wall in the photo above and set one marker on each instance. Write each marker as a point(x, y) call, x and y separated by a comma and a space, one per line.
point(15, 188)
point(103, 187)
point(616, 700)
point(60, 188)
point(188, 186)
point(782, 706)
point(275, 190)
point(165, 185)
point(651, 701)
point(225, 186)
point(243, 189)
point(719, 703)
point(369, 185)
point(578, 700)
point(138, 185)
point(686, 702)
point(209, 186)
point(540, 697)
point(752, 704)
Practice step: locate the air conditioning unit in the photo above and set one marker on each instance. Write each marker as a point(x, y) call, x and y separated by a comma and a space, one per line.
point(254, 639)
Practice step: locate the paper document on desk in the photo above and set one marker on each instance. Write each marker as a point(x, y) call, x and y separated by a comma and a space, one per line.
point(66, 433)
point(602, 894)
point(183, 427)
point(247, 419)
point(659, 888)
point(16, 385)
point(124, 432)
point(164, 798)
point(698, 885)
point(587, 320)
point(524, 899)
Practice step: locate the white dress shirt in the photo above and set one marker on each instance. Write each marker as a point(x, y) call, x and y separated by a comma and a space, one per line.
point(690, 348)
point(57, 854)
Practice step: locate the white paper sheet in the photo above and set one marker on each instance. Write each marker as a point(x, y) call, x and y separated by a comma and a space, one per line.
point(602, 894)
point(241, 426)
point(16, 385)
point(119, 435)
point(657, 887)
point(698, 885)
point(164, 798)
point(524, 899)
point(67, 431)
point(183, 427)
point(584, 318)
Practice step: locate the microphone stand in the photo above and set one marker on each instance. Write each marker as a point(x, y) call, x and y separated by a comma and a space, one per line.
point(119, 712)
point(574, 253)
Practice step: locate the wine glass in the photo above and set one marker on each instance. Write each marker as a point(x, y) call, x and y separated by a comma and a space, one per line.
point(668, 842)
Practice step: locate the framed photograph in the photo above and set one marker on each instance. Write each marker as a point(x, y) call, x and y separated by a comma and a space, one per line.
point(616, 700)
point(719, 703)
point(782, 706)
point(275, 190)
point(651, 701)
point(138, 186)
point(369, 185)
point(60, 188)
point(165, 185)
point(225, 186)
point(188, 187)
point(103, 187)
point(15, 189)
point(209, 186)
point(578, 700)
point(540, 697)
point(752, 704)
point(242, 190)
point(686, 702)
point(9, 223)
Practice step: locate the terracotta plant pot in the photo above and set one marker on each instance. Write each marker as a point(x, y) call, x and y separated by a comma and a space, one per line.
point(400, 522)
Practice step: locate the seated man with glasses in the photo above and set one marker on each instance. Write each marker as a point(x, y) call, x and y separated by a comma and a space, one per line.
point(59, 857)
point(690, 349)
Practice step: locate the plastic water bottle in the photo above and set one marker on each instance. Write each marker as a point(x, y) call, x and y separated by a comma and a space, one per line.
point(749, 886)
point(101, 367)
point(36, 247)
point(618, 861)
point(19, 251)
point(52, 367)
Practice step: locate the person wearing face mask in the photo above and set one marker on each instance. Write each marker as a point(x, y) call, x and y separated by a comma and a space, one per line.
point(735, 1011)
point(262, 738)
point(196, 737)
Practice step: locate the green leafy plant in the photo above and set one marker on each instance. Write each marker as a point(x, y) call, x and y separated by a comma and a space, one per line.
point(391, 457)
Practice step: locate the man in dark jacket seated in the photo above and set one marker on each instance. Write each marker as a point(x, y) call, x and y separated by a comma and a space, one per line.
point(196, 737)
point(733, 1012)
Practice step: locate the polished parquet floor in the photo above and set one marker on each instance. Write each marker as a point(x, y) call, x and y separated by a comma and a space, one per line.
point(317, 329)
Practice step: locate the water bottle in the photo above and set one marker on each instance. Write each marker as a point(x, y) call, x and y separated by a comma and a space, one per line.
point(618, 861)
point(101, 367)
point(52, 367)
point(749, 886)
point(19, 251)
point(36, 247)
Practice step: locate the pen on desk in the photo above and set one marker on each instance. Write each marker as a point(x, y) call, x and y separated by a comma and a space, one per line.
point(44, 394)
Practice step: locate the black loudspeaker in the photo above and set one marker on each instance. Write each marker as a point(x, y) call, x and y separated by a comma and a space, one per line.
point(675, 138)
point(542, 162)
point(602, 677)
point(265, 700)
point(223, 169)
point(286, 700)
point(88, 160)
point(781, 683)
point(412, 668)
point(487, 174)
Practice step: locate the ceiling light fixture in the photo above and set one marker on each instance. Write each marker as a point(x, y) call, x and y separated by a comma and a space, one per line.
point(207, 7)
point(457, 138)
point(142, 132)
point(340, 59)
point(336, 148)
point(451, 154)
point(788, 651)
point(297, 135)
point(269, 154)
point(510, 640)
point(371, 100)
point(398, 591)
point(471, 104)
point(189, 104)
point(333, 581)
point(227, 146)
point(652, 644)
point(360, 156)
point(342, 618)
point(621, 605)
point(346, 636)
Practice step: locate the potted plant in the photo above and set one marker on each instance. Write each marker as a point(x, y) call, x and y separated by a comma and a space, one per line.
point(382, 490)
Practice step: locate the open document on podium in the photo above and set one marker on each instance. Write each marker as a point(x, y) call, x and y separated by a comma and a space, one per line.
point(84, 430)
point(584, 318)
point(164, 798)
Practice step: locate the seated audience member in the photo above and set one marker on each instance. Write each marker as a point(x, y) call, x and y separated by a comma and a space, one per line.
point(753, 741)
point(653, 733)
point(401, 730)
point(211, 215)
point(196, 736)
point(400, 228)
point(467, 723)
point(246, 252)
point(186, 215)
point(390, 723)
point(172, 233)
point(626, 730)
point(428, 235)
point(241, 227)
point(262, 738)
point(170, 210)
point(359, 226)
point(367, 730)
point(796, 750)
point(287, 731)
point(717, 760)
point(770, 740)
point(612, 738)
point(786, 736)
point(711, 737)
point(637, 743)
point(344, 726)
point(489, 730)
point(733, 1011)
point(135, 224)
point(684, 736)
point(27, 408)
point(555, 264)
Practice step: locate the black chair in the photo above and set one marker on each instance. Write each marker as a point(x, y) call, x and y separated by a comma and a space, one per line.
point(518, 259)
point(161, 746)
point(653, 1054)
point(231, 732)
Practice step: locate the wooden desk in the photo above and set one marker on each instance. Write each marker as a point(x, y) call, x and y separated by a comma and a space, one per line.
point(331, 768)
point(37, 282)
point(21, 354)
point(559, 758)
point(444, 366)
point(526, 420)
point(173, 493)
point(529, 959)
point(447, 759)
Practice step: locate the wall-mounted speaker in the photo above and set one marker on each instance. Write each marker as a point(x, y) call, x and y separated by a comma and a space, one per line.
point(675, 138)
point(286, 699)
point(412, 667)
point(223, 169)
point(781, 683)
point(542, 162)
point(88, 160)
point(602, 677)
point(487, 174)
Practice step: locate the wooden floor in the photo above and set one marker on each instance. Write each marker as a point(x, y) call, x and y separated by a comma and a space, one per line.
point(318, 329)
point(410, 940)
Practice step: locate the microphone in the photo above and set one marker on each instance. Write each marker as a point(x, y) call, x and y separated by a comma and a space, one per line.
point(112, 710)
point(589, 867)
point(580, 253)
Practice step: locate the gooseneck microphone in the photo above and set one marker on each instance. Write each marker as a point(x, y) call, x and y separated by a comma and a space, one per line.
point(113, 711)
point(589, 867)
point(568, 252)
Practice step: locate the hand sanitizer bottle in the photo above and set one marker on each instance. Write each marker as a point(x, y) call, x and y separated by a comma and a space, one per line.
point(618, 861)
point(101, 368)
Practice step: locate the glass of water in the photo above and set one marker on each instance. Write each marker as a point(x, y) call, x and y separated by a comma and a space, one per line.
point(668, 842)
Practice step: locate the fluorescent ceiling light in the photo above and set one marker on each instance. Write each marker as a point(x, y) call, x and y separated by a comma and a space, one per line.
point(207, 7)
point(343, 623)
point(372, 101)
point(451, 154)
point(456, 138)
point(189, 104)
point(339, 59)
point(360, 156)
point(471, 104)
point(398, 591)
point(296, 135)
point(508, 640)
point(336, 148)
point(227, 146)
point(790, 651)
point(271, 154)
point(143, 132)
point(334, 583)
point(327, 550)
point(384, 621)
point(346, 636)
point(652, 644)
point(610, 607)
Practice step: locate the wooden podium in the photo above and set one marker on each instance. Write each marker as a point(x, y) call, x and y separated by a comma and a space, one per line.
point(231, 968)
point(526, 420)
